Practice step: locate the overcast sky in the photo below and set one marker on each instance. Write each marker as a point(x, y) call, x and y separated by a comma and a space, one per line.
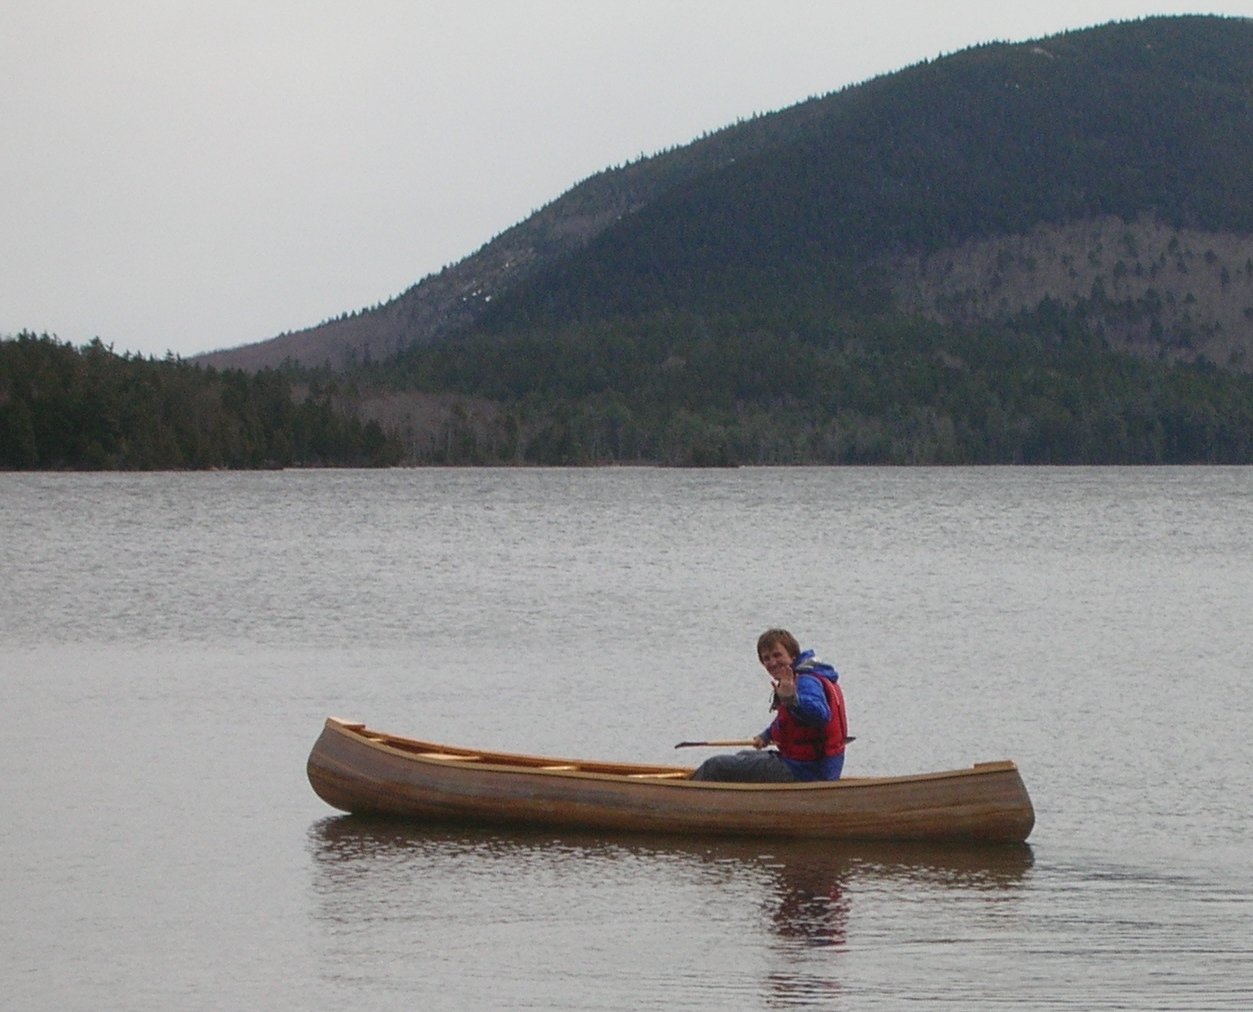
point(187, 176)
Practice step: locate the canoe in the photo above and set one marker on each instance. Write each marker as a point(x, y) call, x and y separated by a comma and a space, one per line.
point(358, 770)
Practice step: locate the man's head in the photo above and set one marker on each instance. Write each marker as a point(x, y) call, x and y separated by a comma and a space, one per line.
point(772, 638)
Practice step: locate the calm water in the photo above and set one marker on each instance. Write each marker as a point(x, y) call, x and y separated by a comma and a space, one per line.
point(169, 645)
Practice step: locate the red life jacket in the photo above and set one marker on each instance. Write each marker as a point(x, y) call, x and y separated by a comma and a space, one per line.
point(806, 743)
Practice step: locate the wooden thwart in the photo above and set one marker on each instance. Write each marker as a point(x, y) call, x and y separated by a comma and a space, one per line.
point(446, 755)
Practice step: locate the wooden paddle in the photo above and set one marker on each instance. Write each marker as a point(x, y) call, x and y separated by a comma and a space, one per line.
point(730, 744)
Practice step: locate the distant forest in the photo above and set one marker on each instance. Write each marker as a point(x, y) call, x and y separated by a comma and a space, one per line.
point(88, 408)
point(808, 386)
point(672, 389)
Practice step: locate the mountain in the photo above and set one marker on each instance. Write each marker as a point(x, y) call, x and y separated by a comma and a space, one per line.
point(456, 297)
point(1106, 173)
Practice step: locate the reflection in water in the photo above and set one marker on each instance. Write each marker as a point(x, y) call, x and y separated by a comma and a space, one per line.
point(715, 893)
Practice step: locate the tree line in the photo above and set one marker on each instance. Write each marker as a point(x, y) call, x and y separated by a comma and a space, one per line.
point(685, 389)
point(672, 389)
point(89, 408)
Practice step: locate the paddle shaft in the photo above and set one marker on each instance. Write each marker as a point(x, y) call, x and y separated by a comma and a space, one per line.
point(729, 744)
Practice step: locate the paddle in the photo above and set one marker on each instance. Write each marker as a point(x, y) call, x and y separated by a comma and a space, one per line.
point(730, 744)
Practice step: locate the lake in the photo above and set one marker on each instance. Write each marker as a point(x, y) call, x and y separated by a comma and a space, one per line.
point(171, 643)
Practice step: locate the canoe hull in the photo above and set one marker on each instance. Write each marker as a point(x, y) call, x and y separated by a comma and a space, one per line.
point(359, 771)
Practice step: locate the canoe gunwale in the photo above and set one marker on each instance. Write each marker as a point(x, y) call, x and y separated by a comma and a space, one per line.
point(360, 734)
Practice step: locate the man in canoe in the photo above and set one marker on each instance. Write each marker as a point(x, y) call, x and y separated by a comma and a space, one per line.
point(810, 724)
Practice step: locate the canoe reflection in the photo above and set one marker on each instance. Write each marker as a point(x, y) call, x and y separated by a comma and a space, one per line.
point(806, 889)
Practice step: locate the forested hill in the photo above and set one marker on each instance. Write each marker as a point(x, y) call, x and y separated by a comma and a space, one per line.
point(1028, 253)
point(970, 187)
point(946, 265)
point(1136, 134)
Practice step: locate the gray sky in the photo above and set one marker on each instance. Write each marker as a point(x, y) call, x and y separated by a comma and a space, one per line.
point(194, 175)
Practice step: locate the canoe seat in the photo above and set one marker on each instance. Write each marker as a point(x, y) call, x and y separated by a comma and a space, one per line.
point(448, 755)
point(559, 767)
point(676, 775)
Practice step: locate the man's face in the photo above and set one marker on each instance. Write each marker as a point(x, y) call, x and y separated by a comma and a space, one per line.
point(776, 660)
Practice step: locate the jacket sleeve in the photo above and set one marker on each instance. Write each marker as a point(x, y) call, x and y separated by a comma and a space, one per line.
point(811, 702)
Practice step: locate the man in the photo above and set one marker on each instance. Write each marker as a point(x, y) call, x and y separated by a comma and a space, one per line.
point(810, 724)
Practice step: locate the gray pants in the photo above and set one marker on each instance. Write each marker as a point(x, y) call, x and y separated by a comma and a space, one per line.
point(749, 767)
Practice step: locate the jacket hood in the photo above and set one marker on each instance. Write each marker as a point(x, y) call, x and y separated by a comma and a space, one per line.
point(808, 664)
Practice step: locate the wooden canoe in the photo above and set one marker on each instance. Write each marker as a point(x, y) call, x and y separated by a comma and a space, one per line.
point(358, 770)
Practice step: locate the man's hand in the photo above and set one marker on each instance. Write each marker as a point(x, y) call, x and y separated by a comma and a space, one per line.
point(784, 684)
point(759, 742)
